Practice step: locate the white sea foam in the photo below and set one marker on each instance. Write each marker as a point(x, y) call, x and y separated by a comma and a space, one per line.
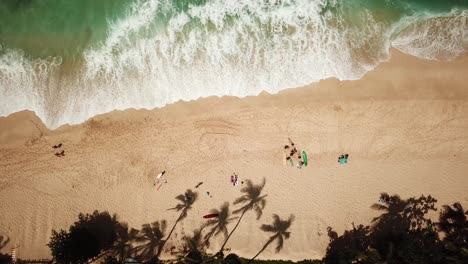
point(220, 48)
point(435, 37)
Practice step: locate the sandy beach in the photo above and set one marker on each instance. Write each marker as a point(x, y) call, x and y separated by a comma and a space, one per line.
point(404, 126)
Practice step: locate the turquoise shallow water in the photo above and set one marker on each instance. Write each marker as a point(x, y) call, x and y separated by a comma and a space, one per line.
point(70, 60)
point(56, 27)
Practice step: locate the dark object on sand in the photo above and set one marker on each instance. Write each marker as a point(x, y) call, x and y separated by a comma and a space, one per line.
point(62, 153)
point(208, 216)
point(57, 154)
point(286, 146)
point(188, 198)
point(198, 184)
point(57, 146)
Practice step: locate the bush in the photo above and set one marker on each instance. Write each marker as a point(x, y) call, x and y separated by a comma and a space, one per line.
point(86, 238)
point(5, 259)
point(232, 259)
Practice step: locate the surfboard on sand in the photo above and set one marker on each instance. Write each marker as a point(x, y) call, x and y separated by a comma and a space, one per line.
point(208, 216)
point(304, 157)
point(160, 174)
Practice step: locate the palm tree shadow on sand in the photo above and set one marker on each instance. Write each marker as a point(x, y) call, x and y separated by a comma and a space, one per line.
point(123, 245)
point(252, 199)
point(399, 216)
point(192, 248)
point(152, 236)
point(401, 223)
point(186, 201)
point(279, 229)
point(219, 224)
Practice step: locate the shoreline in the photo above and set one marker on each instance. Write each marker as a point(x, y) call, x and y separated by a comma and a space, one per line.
point(403, 124)
point(325, 89)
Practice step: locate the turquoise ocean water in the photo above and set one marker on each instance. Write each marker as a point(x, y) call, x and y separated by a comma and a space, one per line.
point(69, 60)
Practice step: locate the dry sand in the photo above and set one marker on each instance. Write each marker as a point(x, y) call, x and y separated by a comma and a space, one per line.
point(404, 125)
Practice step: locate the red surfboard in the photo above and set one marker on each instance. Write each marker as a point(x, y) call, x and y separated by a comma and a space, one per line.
point(210, 216)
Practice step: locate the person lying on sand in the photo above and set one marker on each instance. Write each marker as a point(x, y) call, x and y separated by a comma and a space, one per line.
point(340, 158)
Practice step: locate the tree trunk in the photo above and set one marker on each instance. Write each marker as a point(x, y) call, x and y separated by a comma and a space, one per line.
point(208, 237)
point(264, 247)
point(168, 236)
point(234, 229)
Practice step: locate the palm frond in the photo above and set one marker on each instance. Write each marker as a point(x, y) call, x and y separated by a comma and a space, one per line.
point(379, 207)
point(243, 208)
point(248, 186)
point(241, 199)
point(268, 228)
point(258, 211)
point(279, 243)
point(262, 201)
point(181, 198)
point(276, 219)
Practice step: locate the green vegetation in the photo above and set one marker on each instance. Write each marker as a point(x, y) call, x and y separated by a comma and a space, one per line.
point(404, 234)
point(87, 238)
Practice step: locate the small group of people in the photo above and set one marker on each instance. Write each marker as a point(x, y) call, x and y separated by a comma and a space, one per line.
point(234, 179)
point(60, 153)
point(293, 152)
point(384, 199)
point(343, 159)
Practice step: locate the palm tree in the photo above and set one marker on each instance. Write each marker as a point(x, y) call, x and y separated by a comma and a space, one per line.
point(279, 229)
point(252, 200)
point(186, 201)
point(194, 242)
point(218, 225)
point(123, 243)
point(399, 218)
point(192, 248)
point(452, 221)
point(152, 236)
